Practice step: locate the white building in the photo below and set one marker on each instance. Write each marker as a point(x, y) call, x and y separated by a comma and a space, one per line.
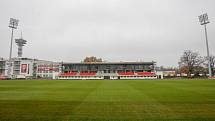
point(29, 68)
point(47, 69)
point(3, 67)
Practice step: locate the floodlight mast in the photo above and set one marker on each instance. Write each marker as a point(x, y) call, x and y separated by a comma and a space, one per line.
point(203, 19)
point(20, 43)
point(13, 25)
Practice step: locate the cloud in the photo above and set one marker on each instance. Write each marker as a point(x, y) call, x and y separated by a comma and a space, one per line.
point(117, 30)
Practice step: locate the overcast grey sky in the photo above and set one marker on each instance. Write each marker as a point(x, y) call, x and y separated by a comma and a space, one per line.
point(115, 30)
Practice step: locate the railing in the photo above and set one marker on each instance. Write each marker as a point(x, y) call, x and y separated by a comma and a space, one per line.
point(126, 73)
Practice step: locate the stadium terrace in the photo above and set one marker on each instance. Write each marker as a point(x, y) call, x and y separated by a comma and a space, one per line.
point(111, 70)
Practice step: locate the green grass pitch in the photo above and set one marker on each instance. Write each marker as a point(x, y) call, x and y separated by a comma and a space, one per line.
point(107, 100)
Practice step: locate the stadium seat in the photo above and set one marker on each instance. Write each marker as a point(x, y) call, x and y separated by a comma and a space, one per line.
point(146, 73)
point(2, 77)
point(88, 74)
point(69, 74)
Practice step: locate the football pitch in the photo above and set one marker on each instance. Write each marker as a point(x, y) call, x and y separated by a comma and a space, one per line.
point(107, 100)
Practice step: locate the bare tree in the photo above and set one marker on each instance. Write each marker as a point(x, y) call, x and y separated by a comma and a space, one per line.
point(212, 61)
point(191, 63)
point(92, 59)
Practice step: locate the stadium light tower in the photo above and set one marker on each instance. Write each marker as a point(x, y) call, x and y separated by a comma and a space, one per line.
point(20, 43)
point(203, 19)
point(13, 25)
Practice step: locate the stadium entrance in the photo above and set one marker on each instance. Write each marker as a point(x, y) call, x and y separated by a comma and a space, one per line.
point(107, 77)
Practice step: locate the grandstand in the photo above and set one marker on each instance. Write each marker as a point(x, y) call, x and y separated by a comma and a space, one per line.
point(112, 70)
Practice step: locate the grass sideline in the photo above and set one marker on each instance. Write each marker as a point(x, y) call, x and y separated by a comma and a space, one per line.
point(107, 100)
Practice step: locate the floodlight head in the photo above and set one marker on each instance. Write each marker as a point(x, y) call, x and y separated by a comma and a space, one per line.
point(203, 19)
point(13, 23)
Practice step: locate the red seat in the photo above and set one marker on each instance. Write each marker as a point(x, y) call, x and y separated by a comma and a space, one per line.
point(88, 74)
point(146, 73)
point(2, 77)
point(69, 74)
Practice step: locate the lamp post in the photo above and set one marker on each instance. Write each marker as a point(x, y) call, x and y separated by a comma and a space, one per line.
point(203, 19)
point(13, 25)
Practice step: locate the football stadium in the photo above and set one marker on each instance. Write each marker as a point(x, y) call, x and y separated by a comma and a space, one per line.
point(93, 89)
point(42, 90)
